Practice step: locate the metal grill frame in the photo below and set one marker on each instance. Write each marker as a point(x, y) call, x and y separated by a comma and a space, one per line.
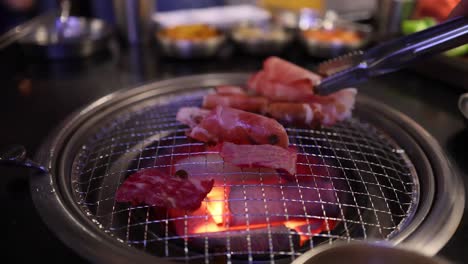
point(106, 177)
point(54, 199)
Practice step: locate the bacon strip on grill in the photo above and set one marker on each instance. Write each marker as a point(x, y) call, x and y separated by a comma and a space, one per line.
point(210, 165)
point(294, 113)
point(284, 71)
point(156, 188)
point(281, 80)
point(225, 124)
point(335, 107)
point(191, 116)
point(255, 104)
point(325, 110)
point(263, 156)
point(230, 90)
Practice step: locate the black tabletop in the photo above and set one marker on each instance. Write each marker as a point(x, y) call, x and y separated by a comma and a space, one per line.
point(36, 95)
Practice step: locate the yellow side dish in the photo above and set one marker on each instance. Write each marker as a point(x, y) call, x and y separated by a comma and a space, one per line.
point(335, 35)
point(190, 32)
point(295, 5)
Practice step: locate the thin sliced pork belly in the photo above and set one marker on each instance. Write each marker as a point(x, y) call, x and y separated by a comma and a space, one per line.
point(264, 156)
point(325, 110)
point(256, 104)
point(191, 116)
point(280, 80)
point(230, 89)
point(294, 113)
point(284, 71)
point(335, 107)
point(296, 91)
point(210, 165)
point(225, 124)
point(156, 188)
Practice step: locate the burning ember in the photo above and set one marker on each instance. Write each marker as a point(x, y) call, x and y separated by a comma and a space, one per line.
point(219, 217)
point(256, 209)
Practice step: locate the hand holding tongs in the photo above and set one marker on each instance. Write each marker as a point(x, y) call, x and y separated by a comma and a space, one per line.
point(390, 56)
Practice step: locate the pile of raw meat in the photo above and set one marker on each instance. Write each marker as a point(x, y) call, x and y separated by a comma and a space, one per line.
point(244, 128)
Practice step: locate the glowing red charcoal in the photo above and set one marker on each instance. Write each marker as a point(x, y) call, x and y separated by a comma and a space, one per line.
point(264, 209)
point(273, 211)
point(215, 220)
point(257, 202)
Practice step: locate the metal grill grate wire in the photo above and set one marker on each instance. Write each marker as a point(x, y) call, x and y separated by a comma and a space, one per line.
point(375, 194)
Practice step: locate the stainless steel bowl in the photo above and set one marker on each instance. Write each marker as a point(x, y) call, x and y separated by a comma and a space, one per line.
point(322, 49)
point(365, 253)
point(266, 39)
point(188, 49)
point(463, 104)
point(75, 37)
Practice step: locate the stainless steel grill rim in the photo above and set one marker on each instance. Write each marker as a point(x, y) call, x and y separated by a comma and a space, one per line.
point(56, 190)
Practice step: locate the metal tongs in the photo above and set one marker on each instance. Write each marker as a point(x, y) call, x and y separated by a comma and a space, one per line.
point(357, 67)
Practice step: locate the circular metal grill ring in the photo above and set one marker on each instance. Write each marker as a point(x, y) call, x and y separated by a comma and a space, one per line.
point(428, 211)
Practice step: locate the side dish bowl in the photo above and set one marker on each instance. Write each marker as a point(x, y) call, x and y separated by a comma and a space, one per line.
point(329, 36)
point(261, 39)
point(74, 38)
point(190, 41)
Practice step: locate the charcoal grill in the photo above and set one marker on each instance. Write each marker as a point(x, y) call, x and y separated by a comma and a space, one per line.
point(393, 182)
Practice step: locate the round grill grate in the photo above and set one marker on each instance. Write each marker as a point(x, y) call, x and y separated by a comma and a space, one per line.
point(373, 182)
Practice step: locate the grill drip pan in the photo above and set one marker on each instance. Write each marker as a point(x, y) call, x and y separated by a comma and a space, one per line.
point(389, 178)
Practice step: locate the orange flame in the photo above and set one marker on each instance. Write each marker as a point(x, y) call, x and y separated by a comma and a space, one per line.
point(216, 209)
point(216, 206)
point(302, 227)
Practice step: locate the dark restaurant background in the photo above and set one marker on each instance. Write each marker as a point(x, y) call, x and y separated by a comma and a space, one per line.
point(37, 94)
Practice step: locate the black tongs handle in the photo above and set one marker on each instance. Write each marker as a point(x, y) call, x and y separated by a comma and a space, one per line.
point(395, 54)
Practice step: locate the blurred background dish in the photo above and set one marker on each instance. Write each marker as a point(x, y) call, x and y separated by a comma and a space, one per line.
point(71, 38)
point(190, 41)
point(261, 39)
point(329, 36)
point(463, 104)
point(195, 32)
point(224, 17)
point(132, 18)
